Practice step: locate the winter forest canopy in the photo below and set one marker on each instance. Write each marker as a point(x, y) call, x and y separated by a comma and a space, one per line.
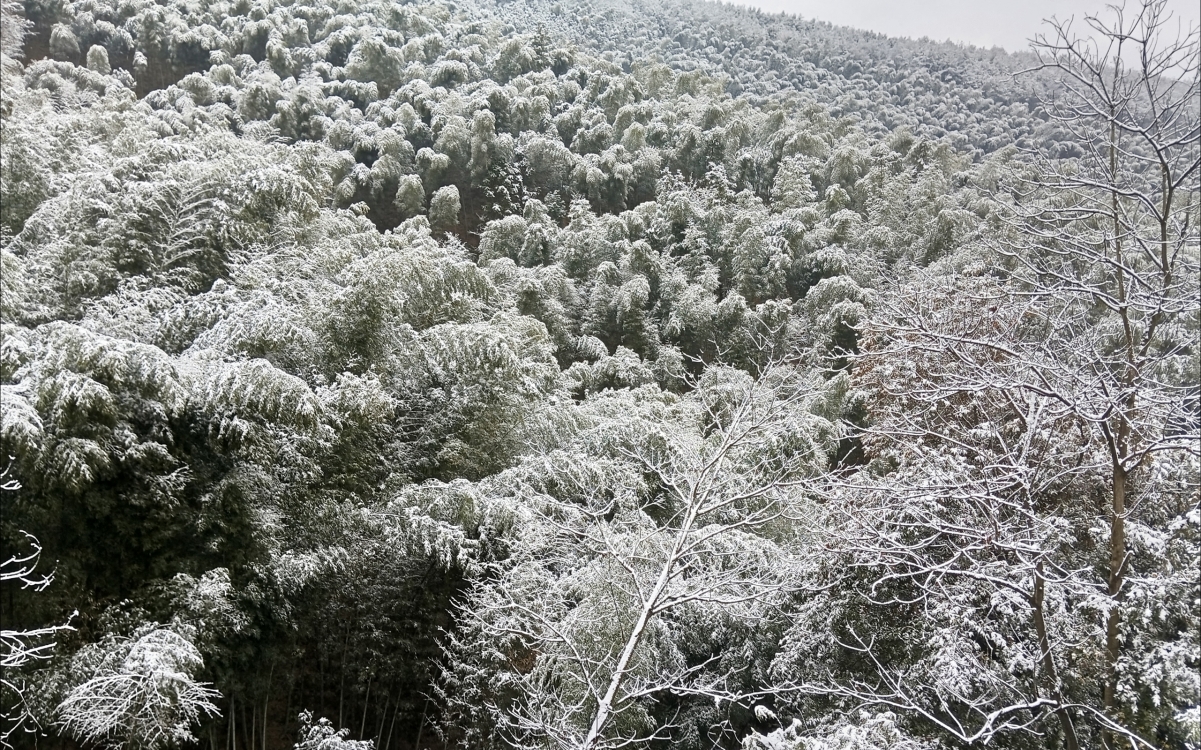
point(590, 374)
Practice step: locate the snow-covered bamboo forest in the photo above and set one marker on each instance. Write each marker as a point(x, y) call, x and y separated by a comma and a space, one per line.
point(595, 374)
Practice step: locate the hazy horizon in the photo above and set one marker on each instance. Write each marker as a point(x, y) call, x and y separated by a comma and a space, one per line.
point(1008, 25)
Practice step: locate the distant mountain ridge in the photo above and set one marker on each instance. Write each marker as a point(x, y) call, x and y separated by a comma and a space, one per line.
point(970, 95)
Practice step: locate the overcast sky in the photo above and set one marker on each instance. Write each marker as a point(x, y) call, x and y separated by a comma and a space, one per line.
point(984, 23)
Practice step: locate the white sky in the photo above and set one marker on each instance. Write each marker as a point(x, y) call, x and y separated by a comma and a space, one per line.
point(984, 23)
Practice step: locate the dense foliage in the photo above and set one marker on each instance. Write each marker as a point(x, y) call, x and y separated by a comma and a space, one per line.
point(566, 374)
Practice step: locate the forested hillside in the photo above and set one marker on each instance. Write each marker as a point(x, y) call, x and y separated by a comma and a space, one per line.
point(969, 96)
point(595, 374)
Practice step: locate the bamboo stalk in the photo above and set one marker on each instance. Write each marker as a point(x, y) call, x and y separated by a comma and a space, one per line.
point(366, 705)
point(248, 735)
point(420, 727)
point(379, 733)
point(393, 724)
point(342, 675)
point(267, 702)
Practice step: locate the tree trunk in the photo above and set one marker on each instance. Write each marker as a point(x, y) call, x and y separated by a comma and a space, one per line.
point(379, 734)
point(1066, 724)
point(267, 703)
point(604, 709)
point(392, 726)
point(366, 705)
point(421, 727)
point(1117, 564)
point(248, 732)
point(342, 675)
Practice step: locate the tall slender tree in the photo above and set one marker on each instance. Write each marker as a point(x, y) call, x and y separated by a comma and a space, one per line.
point(1035, 436)
point(1111, 246)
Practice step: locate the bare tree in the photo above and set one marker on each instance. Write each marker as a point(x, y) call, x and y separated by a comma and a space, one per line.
point(969, 504)
point(1112, 241)
point(19, 648)
point(586, 618)
point(141, 692)
point(972, 538)
point(1033, 434)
